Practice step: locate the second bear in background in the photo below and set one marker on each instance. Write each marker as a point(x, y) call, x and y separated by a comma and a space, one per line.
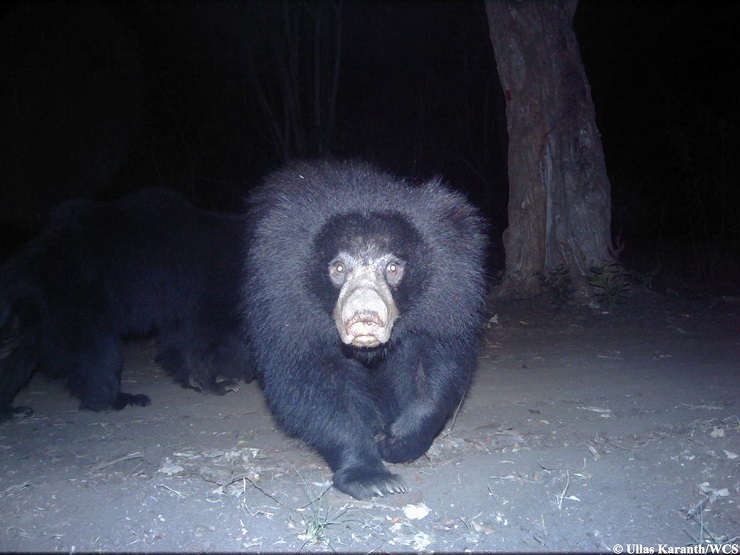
point(149, 263)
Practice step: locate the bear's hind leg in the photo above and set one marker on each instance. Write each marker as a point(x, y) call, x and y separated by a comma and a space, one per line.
point(94, 365)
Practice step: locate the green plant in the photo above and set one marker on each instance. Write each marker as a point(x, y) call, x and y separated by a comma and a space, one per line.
point(317, 518)
point(557, 282)
point(316, 522)
point(611, 284)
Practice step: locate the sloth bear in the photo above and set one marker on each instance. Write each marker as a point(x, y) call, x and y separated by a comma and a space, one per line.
point(363, 298)
point(148, 263)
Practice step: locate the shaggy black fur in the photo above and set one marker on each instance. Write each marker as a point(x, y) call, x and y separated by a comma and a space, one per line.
point(360, 406)
point(150, 263)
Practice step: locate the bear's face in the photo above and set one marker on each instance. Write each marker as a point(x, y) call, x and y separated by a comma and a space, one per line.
point(366, 269)
point(365, 310)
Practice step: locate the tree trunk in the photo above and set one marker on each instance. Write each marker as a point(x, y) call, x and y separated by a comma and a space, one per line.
point(559, 199)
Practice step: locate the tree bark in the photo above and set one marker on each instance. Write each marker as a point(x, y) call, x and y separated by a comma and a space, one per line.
point(559, 193)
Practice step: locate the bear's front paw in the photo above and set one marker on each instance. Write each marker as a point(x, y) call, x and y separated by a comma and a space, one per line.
point(395, 449)
point(15, 412)
point(363, 482)
point(211, 385)
point(134, 400)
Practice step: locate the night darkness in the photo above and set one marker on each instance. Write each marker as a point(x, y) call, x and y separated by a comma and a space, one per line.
point(102, 98)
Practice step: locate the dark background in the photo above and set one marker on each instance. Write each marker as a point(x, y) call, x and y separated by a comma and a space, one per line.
point(101, 98)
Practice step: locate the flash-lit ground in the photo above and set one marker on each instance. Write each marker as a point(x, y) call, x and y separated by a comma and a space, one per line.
point(582, 431)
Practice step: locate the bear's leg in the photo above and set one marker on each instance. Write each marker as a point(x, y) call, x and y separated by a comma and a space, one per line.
point(172, 359)
point(430, 378)
point(331, 407)
point(94, 363)
point(196, 364)
point(18, 360)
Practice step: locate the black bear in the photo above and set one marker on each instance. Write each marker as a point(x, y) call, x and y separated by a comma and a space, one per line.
point(149, 263)
point(363, 299)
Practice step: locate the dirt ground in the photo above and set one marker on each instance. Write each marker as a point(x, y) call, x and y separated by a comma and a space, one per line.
point(583, 431)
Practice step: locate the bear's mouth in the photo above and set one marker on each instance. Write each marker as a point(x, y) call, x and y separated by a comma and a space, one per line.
point(364, 330)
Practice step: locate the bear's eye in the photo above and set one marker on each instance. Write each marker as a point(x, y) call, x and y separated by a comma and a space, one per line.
point(338, 272)
point(394, 272)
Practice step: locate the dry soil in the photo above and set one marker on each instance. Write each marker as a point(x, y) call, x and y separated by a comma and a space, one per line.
point(582, 431)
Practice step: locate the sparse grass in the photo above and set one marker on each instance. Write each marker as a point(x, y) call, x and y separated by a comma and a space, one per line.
point(559, 498)
point(706, 537)
point(316, 522)
point(318, 518)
